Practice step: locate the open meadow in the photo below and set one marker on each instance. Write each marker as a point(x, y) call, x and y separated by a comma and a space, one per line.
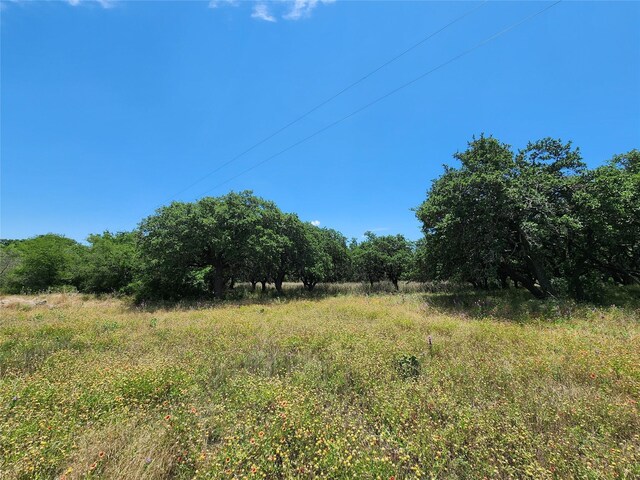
point(408, 385)
point(319, 239)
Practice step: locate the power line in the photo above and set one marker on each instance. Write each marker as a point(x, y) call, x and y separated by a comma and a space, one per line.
point(333, 97)
point(388, 94)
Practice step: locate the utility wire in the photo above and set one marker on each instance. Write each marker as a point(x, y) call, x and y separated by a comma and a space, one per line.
point(333, 97)
point(388, 94)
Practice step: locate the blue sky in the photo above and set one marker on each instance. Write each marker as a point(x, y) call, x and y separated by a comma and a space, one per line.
point(109, 109)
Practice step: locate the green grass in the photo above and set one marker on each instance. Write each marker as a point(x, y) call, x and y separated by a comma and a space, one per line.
point(332, 387)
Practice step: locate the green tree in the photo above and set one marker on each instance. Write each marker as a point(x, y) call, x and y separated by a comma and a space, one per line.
point(462, 218)
point(387, 256)
point(547, 176)
point(315, 263)
point(9, 262)
point(108, 264)
point(275, 251)
point(325, 257)
point(368, 261)
point(45, 261)
point(397, 256)
point(334, 244)
point(289, 247)
point(505, 216)
point(197, 248)
point(609, 212)
point(421, 268)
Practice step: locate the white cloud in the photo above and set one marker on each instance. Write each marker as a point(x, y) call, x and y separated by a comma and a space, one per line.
point(261, 12)
point(223, 3)
point(5, 3)
point(316, 223)
point(102, 3)
point(268, 10)
point(302, 8)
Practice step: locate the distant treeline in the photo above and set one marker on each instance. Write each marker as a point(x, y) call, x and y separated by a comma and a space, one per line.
point(537, 218)
point(203, 249)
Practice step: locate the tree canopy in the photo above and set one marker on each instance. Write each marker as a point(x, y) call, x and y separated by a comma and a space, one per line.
point(536, 218)
point(388, 256)
point(38, 263)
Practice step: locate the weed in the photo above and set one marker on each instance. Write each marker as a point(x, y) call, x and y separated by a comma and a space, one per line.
point(408, 366)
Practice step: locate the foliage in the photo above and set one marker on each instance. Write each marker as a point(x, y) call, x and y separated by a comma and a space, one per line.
point(39, 263)
point(290, 248)
point(108, 264)
point(315, 263)
point(368, 263)
point(325, 256)
point(408, 366)
point(538, 218)
point(535, 218)
point(9, 261)
point(421, 268)
point(204, 247)
point(388, 256)
point(609, 209)
point(197, 248)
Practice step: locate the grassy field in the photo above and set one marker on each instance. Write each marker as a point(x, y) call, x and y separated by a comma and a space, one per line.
point(343, 386)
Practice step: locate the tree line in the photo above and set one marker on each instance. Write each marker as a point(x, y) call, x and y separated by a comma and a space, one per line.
point(537, 218)
point(203, 248)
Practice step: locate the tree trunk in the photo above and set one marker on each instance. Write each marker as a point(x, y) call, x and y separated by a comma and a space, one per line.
point(395, 283)
point(253, 285)
point(526, 282)
point(540, 275)
point(278, 281)
point(504, 278)
point(577, 287)
point(218, 274)
point(264, 285)
point(535, 268)
point(218, 284)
